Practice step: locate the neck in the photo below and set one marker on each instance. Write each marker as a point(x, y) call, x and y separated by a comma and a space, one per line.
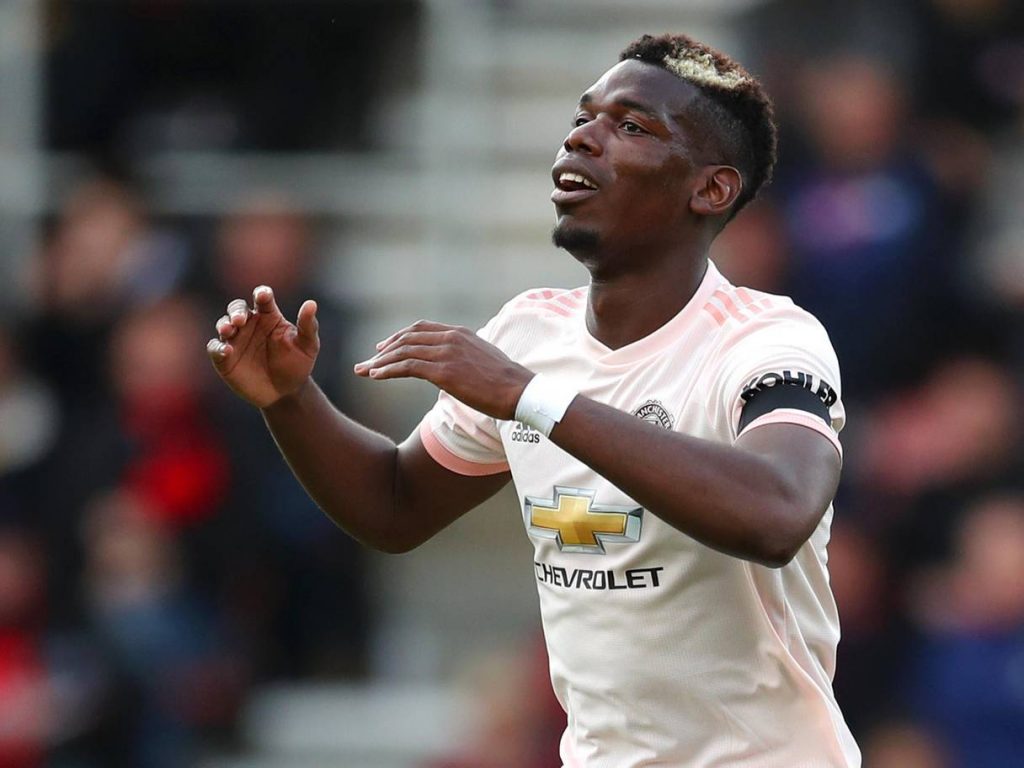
point(627, 307)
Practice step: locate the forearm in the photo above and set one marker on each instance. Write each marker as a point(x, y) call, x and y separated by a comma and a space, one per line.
point(731, 499)
point(347, 469)
point(759, 499)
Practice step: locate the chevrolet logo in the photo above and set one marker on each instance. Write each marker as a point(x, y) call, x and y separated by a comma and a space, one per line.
point(578, 524)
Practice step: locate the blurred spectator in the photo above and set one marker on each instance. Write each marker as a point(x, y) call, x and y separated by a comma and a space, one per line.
point(863, 219)
point(101, 259)
point(267, 240)
point(153, 432)
point(903, 745)
point(166, 645)
point(961, 424)
point(178, 466)
point(782, 36)
point(294, 581)
point(968, 683)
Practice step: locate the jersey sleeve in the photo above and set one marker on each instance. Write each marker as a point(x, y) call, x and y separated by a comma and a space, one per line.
point(461, 439)
point(779, 369)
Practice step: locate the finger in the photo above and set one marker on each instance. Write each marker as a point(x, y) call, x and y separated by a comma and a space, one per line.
point(238, 312)
point(219, 352)
point(390, 339)
point(225, 330)
point(416, 338)
point(306, 322)
point(404, 369)
point(263, 300)
point(403, 352)
point(419, 325)
point(307, 337)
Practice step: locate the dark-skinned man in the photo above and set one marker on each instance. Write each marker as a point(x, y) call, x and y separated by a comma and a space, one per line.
point(672, 438)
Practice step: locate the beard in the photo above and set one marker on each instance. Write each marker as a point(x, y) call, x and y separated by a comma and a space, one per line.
point(576, 241)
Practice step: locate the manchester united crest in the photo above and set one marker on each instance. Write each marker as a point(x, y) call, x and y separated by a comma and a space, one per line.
point(653, 412)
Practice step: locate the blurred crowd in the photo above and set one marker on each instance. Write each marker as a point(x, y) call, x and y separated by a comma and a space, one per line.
point(897, 217)
point(156, 557)
point(157, 560)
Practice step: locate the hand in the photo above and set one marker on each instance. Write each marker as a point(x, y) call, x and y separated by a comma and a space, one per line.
point(261, 355)
point(454, 359)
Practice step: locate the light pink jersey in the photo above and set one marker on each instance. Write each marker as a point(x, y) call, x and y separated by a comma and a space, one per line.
point(663, 651)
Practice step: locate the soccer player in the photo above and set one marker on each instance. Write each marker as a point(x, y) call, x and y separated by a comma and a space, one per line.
point(672, 438)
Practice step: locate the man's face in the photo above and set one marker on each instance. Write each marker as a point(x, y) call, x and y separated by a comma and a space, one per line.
point(624, 174)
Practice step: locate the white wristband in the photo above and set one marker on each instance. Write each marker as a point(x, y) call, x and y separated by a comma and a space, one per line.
point(544, 403)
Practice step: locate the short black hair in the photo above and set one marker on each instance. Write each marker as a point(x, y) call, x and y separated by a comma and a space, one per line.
point(735, 110)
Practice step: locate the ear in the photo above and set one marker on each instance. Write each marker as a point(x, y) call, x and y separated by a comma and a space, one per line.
point(716, 189)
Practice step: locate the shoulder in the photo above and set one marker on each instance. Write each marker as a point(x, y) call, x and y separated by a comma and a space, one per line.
point(767, 343)
point(563, 302)
point(740, 311)
point(762, 333)
point(535, 313)
point(745, 317)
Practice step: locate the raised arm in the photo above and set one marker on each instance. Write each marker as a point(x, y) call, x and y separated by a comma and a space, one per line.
point(389, 497)
point(759, 499)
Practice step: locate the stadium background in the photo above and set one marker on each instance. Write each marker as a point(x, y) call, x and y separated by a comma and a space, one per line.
point(168, 597)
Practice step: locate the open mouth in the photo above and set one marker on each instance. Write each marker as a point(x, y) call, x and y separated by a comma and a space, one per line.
point(573, 182)
point(571, 187)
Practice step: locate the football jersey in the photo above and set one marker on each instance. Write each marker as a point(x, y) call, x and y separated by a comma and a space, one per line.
point(663, 651)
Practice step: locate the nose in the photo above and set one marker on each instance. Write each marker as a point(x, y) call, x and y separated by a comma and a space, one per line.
point(584, 138)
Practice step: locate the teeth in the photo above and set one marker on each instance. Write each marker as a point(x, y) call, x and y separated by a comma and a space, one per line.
point(578, 179)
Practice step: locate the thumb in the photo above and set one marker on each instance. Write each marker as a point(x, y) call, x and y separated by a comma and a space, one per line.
point(308, 338)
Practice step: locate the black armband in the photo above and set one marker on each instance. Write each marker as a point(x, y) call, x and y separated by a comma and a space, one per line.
point(772, 391)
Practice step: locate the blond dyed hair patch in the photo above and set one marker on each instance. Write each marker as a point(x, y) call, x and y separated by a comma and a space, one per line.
point(700, 68)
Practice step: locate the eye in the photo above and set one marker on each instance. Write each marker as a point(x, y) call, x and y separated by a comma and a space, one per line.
point(579, 120)
point(630, 127)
